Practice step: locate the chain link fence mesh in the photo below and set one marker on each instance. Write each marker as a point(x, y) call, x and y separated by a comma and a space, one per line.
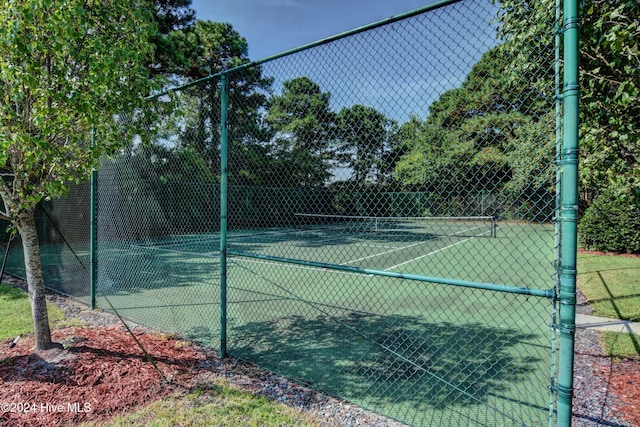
point(400, 150)
point(390, 235)
point(64, 235)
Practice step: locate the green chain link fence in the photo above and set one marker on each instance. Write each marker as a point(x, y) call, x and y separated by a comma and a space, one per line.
point(63, 232)
point(377, 215)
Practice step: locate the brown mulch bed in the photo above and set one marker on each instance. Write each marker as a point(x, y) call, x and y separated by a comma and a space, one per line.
point(624, 383)
point(100, 373)
point(607, 391)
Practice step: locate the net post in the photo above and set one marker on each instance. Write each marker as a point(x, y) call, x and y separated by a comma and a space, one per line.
point(223, 215)
point(494, 227)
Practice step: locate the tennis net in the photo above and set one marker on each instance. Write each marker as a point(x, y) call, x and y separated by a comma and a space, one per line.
point(464, 226)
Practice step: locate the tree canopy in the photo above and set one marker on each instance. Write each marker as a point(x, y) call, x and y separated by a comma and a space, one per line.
point(609, 82)
point(170, 16)
point(610, 95)
point(363, 134)
point(492, 134)
point(497, 127)
point(304, 127)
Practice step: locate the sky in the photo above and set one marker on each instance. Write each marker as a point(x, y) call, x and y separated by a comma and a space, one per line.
point(399, 71)
point(274, 26)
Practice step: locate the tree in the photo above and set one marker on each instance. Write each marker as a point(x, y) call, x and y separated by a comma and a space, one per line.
point(305, 128)
point(494, 132)
point(609, 81)
point(66, 68)
point(213, 47)
point(610, 95)
point(170, 16)
point(506, 107)
point(363, 133)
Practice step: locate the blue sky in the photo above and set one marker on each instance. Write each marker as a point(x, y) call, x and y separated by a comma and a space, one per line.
point(399, 71)
point(274, 26)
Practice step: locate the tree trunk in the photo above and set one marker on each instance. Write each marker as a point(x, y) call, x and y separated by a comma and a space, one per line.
point(35, 281)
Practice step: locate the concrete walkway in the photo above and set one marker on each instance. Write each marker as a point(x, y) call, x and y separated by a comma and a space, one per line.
point(584, 321)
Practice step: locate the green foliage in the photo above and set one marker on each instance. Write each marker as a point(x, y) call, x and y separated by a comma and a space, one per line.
point(611, 223)
point(209, 48)
point(303, 110)
point(492, 135)
point(304, 126)
point(610, 93)
point(170, 16)
point(609, 80)
point(65, 68)
point(363, 134)
point(434, 154)
point(499, 125)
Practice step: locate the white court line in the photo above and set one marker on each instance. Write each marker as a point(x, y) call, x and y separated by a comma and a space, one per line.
point(388, 252)
point(426, 255)
point(415, 244)
point(304, 267)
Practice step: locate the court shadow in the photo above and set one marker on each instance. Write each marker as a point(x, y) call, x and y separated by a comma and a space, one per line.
point(397, 361)
point(155, 270)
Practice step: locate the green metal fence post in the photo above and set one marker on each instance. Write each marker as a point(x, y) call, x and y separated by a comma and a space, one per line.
point(93, 262)
point(556, 247)
point(569, 212)
point(223, 216)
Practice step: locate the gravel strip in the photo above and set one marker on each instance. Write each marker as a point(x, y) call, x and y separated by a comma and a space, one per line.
point(593, 404)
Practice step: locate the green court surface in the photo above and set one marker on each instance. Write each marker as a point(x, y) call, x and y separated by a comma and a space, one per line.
point(447, 353)
point(520, 255)
point(443, 352)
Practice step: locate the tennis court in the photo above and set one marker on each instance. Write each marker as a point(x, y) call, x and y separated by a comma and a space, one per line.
point(304, 299)
point(441, 349)
point(308, 300)
point(404, 347)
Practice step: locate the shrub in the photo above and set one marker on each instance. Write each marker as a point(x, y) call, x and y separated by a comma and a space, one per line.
point(611, 223)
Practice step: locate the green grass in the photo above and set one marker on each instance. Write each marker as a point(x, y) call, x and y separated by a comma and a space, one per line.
point(611, 285)
point(212, 405)
point(15, 313)
point(620, 345)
